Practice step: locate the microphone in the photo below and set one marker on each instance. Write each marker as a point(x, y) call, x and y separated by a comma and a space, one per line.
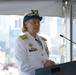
point(67, 39)
point(61, 35)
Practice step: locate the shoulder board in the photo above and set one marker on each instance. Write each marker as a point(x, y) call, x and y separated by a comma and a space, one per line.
point(43, 38)
point(23, 37)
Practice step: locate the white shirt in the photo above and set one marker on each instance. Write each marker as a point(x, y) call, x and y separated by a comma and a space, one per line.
point(29, 54)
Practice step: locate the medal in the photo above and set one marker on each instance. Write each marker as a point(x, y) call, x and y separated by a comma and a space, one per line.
point(30, 45)
point(31, 48)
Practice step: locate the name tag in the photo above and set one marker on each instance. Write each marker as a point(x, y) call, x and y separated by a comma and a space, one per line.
point(32, 49)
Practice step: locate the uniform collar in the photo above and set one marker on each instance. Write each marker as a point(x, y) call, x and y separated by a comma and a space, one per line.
point(27, 33)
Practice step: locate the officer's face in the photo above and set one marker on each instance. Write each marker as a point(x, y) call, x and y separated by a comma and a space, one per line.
point(33, 25)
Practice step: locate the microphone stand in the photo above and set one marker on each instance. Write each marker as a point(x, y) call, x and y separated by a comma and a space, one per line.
point(67, 39)
point(70, 41)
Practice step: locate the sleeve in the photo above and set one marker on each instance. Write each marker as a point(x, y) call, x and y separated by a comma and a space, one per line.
point(21, 57)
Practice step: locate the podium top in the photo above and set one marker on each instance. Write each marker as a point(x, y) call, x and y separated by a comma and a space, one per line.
point(68, 68)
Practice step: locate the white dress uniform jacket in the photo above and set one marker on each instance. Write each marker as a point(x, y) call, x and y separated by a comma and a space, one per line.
point(29, 54)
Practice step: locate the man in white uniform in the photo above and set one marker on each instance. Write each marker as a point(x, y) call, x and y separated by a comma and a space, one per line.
point(31, 51)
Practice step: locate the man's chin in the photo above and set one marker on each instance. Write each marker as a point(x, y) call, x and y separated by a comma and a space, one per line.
point(36, 31)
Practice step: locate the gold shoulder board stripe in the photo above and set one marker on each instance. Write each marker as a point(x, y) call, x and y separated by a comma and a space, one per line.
point(43, 38)
point(23, 37)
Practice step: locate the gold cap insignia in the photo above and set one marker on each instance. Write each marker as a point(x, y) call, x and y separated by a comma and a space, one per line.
point(33, 13)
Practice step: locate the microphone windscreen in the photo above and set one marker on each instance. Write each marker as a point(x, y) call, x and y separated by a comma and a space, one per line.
point(61, 35)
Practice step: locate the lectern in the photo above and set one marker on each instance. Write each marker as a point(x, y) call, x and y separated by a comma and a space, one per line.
point(68, 68)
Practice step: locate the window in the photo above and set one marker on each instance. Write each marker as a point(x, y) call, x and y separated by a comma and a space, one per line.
point(10, 29)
